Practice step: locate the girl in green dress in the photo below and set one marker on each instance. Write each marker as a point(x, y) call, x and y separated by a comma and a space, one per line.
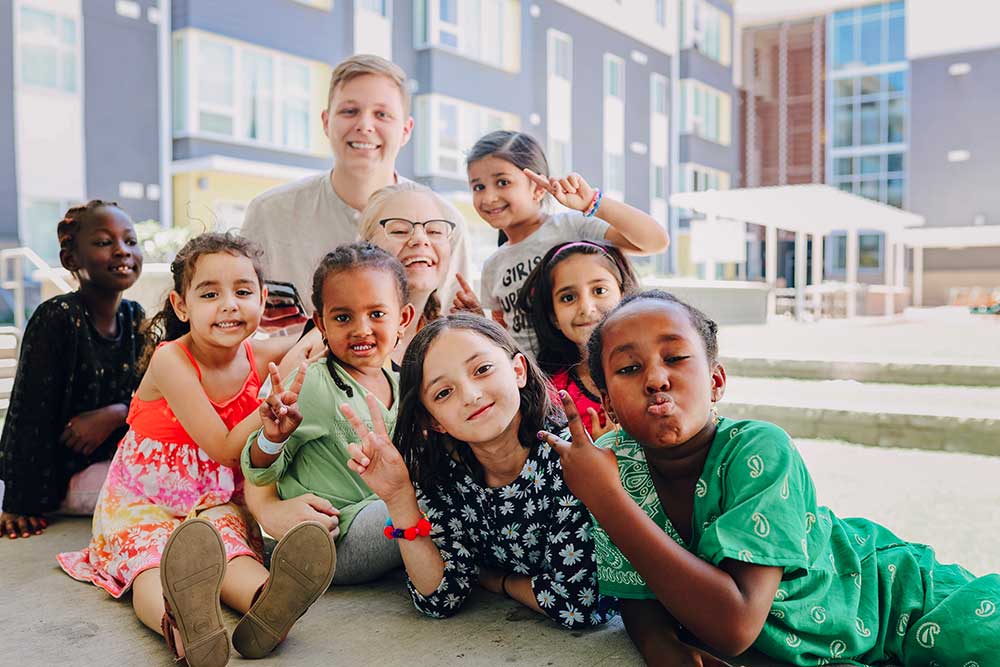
point(712, 524)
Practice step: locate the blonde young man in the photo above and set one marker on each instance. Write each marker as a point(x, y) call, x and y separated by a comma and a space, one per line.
point(367, 121)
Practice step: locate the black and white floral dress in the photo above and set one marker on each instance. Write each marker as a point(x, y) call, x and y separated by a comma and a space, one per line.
point(533, 526)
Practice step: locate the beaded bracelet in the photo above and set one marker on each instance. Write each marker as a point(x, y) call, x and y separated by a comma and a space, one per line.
point(422, 529)
point(595, 203)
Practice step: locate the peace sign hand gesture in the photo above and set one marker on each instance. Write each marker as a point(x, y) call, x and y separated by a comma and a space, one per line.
point(590, 472)
point(376, 459)
point(571, 191)
point(279, 412)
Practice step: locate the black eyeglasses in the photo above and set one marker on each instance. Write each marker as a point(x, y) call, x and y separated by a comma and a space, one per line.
point(402, 229)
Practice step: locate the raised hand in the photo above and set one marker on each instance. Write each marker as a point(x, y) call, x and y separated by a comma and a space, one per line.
point(376, 459)
point(596, 429)
point(590, 472)
point(279, 412)
point(87, 431)
point(465, 298)
point(571, 191)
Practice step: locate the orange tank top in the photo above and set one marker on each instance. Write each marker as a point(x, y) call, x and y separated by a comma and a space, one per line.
point(155, 419)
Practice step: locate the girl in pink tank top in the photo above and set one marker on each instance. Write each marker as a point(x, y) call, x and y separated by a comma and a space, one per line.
point(178, 464)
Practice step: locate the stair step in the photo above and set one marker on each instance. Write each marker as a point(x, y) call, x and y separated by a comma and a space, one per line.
point(969, 375)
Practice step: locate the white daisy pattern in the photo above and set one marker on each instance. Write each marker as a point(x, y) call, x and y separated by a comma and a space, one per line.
point(532, 526)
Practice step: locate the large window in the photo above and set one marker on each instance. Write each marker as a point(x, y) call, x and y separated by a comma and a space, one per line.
point(560, 55)
point(49, 50)
point(705, 28)
point(869, 110)
point(869, 251)
point(485, 30)
point(228, 89)
point(698, 178)
point(614, 76)
point(37, 226)
point(447, 127)
point(614, 172)
point(705, 112)
point(868, 36)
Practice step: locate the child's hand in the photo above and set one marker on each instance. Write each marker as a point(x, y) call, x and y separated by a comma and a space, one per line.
point(572, 191)
point(590, 472)
point(465, 299)
point(596, 429)
point(279, 412)
point(376, 459)
point(87, 431)
point(21, 525)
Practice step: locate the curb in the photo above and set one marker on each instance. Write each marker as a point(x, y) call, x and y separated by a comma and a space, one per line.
point(865, 371)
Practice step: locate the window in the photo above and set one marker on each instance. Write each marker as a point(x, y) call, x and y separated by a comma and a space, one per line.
point(559, 157)
point(659, 185)
point(447, 127)
point(878, 176)
point(614, 76)
point(227, 89)
point(867, 36)
point(560, 56)
point(380, 7)
point(704, 27)
point(698, 178)
point(660, 8)
point(484, 30)
point(49, 50)
point(614, 172)
point(705, 112)
point(869, 251)
point(659, 94)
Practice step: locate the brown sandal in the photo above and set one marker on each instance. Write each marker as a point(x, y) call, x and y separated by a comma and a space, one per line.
point(191, 571)
point(302, 567)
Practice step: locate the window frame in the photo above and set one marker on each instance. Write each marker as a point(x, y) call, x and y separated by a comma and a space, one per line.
point(53, 42)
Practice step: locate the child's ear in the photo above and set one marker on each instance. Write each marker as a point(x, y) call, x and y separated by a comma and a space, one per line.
point(320, 324)
point(263, 294)
point(68, 260)
point(718, 382)
point(406, 317)
point(608, 408)
point(537, 192)
point(180, 308)
point(435, 426)
point(520, 370)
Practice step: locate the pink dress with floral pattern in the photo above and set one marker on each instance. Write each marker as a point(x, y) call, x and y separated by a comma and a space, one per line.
point(158, 478)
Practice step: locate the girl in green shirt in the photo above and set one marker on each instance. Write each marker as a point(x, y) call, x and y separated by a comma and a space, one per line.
point(362, 309)
point(713, 524)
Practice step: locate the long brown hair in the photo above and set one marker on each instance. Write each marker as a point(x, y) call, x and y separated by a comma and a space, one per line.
point(428, 453)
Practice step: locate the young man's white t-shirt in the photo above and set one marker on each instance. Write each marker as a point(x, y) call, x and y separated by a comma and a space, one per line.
point(297, 224)
point(506, 270)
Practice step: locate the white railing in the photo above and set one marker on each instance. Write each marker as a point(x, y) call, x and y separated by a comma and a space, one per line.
point(12, 277)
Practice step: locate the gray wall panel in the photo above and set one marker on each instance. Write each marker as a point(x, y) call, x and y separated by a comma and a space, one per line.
point(8, 166)
point(195, 148)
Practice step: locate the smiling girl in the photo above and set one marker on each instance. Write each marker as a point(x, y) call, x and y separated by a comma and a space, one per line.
point(75, 375)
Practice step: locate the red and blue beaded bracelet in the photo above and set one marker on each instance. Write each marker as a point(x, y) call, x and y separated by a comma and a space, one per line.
point(422, 529)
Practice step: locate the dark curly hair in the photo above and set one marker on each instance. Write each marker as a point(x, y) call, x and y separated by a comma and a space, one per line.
point(165, 325)
point(428, 453)
point(707, 329)
point(76, 217)
point(556, 351)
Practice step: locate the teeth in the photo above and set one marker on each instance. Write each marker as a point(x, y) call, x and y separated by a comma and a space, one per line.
point(228, 325)
point(414, 260)
point(362, 348)
point(359, 144)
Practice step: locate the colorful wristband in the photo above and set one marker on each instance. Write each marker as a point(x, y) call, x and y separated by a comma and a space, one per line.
point(268, 447)
point(422, 529)
point(595, 203)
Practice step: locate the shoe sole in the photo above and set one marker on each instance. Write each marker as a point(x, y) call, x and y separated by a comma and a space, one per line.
point(191, 571)
point(302, 568)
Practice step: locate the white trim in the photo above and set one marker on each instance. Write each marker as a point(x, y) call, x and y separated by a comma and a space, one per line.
point(981, 236)
point(234, 165)
point(249, 143)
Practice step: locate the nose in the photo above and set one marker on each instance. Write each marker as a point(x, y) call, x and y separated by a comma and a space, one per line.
point(657, 378)
point(418, 236)
point(120, 249)
point(364, 326)
point(365, 122)
point(587, 304)
point(470, 392)
point(230, 301)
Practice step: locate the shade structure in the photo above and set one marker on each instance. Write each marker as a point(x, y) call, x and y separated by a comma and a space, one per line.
point(948, 238)
point(807, 209)
point(812, 209)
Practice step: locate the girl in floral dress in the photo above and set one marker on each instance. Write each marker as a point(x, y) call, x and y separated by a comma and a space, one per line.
point(170, 521)
point(471, 406)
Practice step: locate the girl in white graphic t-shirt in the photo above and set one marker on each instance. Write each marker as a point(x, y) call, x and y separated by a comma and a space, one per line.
point(509, 177)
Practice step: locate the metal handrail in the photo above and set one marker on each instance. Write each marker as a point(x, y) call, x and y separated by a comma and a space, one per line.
point(12, 277)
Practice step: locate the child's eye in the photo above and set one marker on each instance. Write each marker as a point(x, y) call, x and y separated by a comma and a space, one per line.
point(485, 368)
point(102, 242)
point(382, 114)
point(131, 241)
point(443, 394)
point(209, 295)
point(676, 359)
point(341, 318)
point(627, 370)
point(600, 291)
point(378, 314)
point(566, 298)
point(244, 292)
point(478, 187)
point(503, 182)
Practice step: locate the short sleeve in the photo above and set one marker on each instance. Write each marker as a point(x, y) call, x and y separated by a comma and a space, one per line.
point(765, 492)
point(575, 226)
point(487, 284)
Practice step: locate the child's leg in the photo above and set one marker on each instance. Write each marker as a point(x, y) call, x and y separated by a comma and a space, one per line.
point(244, 578)
point(364, 554)
point(147, 599)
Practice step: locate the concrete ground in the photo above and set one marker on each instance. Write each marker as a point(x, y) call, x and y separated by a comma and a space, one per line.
point(947, 500)
point(927, 335)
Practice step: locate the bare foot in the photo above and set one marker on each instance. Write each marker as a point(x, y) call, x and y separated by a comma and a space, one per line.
point(22, 525)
